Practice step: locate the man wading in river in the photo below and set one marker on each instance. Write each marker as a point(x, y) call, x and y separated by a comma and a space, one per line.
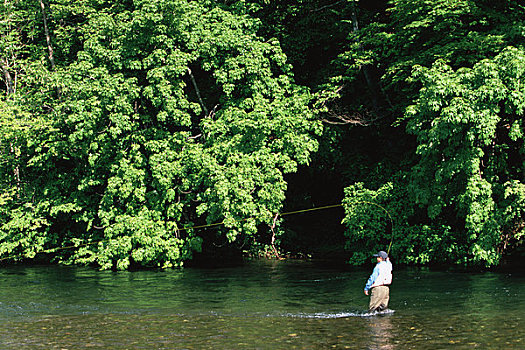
point(378, 282)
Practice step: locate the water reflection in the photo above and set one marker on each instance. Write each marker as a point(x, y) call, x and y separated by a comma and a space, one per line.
point(381, 332)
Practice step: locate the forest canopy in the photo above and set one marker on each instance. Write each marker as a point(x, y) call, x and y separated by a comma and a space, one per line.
point(146, 133)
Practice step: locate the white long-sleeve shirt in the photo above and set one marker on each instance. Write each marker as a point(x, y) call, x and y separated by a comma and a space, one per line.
point(381, 275)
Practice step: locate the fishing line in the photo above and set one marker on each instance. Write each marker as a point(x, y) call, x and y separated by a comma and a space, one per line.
point(355, 202)
point(52, 250)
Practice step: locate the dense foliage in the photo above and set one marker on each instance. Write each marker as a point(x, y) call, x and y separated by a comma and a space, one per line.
point(454, 69)
point(128, 127)
point(167, 115)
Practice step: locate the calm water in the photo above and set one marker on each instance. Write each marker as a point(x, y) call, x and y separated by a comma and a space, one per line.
point(262, 305)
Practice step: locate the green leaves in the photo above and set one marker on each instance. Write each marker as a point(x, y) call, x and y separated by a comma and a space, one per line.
point(463, 120)
point(161, 116)
point(174, 114)
point(453, 70)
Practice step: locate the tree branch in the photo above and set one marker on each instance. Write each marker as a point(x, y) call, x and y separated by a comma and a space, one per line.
point(197, 91)
point(327, 6)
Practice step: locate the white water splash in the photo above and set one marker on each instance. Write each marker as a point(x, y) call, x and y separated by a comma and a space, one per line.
point(340, 314)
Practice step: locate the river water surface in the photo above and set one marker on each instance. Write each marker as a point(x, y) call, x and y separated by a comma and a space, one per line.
point(261, 305)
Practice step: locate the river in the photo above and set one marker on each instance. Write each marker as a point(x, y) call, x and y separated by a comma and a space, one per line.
point(260, 305)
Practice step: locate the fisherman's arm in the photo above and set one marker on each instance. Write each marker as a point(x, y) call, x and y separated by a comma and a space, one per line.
point(372, 279)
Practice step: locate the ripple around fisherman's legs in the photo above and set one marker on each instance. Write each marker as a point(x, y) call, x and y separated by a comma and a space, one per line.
point(340, 314)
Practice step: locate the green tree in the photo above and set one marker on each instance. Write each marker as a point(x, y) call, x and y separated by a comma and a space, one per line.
point(172, 115)
point(22, 119)
point(409, 33)
point(470, 139)
point(460, 189)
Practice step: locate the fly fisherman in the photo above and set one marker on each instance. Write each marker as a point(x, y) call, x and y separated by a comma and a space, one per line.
point(378, 282)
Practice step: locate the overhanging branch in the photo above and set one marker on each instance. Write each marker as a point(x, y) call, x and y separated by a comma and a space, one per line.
point(197, 91)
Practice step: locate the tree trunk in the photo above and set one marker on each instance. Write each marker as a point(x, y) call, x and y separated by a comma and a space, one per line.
point(364, 68)
point(48, 37)
point(10, 88)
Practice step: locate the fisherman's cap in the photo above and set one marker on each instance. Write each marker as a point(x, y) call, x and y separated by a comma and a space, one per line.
point(381, 254)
